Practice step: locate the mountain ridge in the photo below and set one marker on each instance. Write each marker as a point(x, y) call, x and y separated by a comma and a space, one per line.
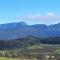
point(21, 29)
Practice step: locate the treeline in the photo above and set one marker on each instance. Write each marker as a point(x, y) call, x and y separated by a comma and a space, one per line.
point(51, 40)
point(27, 41)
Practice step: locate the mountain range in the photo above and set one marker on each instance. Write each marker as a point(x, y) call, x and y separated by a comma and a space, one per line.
point(21, 29)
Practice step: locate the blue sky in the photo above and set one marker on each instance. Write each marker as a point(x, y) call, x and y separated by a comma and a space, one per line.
point(30, 11)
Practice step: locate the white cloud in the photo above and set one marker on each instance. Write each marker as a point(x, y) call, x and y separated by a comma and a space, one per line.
point(49, 17)
point(29, 17)
point(51, 14)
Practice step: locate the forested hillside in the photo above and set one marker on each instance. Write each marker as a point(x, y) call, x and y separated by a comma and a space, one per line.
point(27, 41)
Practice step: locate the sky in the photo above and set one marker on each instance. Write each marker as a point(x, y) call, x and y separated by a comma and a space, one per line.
point(30, 11)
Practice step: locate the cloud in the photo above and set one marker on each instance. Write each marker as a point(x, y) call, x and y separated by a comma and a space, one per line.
point(49, 17)
point(32, 17)
point(51, 14)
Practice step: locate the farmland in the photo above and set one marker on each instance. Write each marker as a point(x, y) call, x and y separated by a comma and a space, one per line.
point(41, 51)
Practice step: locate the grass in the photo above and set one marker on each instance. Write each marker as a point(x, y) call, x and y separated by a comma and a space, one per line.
point(36, 47)
point(5, 58)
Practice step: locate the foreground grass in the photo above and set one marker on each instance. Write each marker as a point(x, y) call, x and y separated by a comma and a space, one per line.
point(4, 58)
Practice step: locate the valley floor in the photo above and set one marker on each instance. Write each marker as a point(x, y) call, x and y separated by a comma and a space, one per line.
point(36, 52)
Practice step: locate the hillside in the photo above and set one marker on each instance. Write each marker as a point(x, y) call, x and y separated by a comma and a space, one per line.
point(21, 29)
point(27, 41)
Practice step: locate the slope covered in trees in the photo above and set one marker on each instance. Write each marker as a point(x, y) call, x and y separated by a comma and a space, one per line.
point(27, 41)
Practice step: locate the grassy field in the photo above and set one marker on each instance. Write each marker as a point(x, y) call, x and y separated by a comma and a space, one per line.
point(4, 58)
